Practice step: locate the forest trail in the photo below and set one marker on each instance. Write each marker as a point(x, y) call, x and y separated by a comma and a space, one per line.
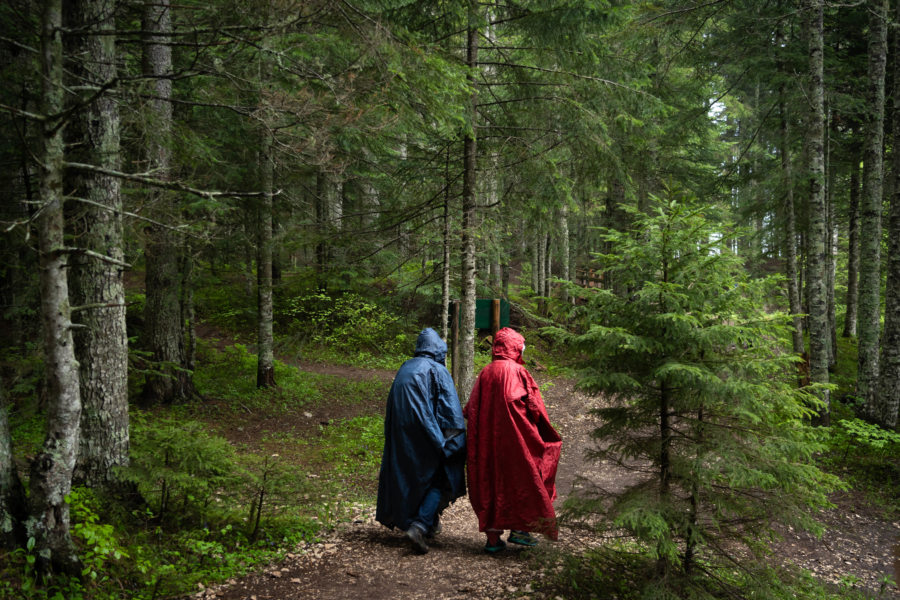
point(363, 559)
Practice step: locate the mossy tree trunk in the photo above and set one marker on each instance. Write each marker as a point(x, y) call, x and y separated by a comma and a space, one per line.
point(818, 318)
point(869, 325)
point(469, 223)
point(265, 365)
point(790, 216)
point(852, 248)
point(163, 327)
point(889, 363)
point(97, 286)
point(51, 469)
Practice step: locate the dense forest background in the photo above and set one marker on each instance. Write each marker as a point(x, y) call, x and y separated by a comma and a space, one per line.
point(693, 206)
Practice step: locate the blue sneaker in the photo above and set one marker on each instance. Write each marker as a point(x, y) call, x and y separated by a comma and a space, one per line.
point(523, 538)
point(494, 548)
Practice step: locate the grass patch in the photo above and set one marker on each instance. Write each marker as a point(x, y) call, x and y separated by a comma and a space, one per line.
point(230, 375)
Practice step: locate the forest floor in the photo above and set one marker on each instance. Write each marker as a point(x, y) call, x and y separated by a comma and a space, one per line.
point(362, 559)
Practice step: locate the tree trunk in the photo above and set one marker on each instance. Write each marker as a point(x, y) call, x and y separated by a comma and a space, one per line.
point(818, 318)
point(469, 200)
point(830, 254)
point(163, 280)
point(870, 213)
point(188, 317)
point(445, 263)
point(548, 262)
point(265, 365)
point(321, 207)
point(13, 504)
point(852, 249)
point(790, 241)
point(97, 286)
point(564, 249)
point(51, 469)
point(889, 364)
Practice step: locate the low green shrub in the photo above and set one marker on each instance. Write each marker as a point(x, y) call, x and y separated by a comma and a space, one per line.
point(178, 467)
point(348, 324)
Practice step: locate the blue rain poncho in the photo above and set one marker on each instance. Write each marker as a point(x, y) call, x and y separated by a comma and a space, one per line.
point(424, 435)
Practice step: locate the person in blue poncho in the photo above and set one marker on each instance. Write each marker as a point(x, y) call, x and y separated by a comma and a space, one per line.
point(423, 465)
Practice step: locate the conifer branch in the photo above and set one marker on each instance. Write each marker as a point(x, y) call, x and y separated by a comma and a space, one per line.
point(92, 254)
point(168, 185)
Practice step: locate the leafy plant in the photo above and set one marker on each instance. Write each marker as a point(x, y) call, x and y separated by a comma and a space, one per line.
point(348, 323)
point(98, 543)
point(859, 435)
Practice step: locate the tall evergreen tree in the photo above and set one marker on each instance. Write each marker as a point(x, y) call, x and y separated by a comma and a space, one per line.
point(702, 405)
point(95, 216)
point(51, 469)
point(815, 138)
point(871, 206)
point(171, 381)
point(889, 362)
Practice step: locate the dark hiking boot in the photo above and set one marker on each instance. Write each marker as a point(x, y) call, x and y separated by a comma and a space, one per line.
point(416, 535)
point(436, 528)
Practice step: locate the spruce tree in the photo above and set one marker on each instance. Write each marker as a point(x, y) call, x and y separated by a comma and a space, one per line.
point(699, 401)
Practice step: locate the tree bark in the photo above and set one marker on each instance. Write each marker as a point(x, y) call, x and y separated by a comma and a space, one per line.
point(265, 365)
point(101, 345)
point(321, 208)
point(188, 317)
point(13, 504)
point(852, 250)
point(163, 280)
point(445, 262)
point(790, 227)
point(818, 318)
point(469, 201)
point(51, 469)
point(548, 262)
point(889, 363)
point(870, 213)
point(564, 248)
point(830, 254)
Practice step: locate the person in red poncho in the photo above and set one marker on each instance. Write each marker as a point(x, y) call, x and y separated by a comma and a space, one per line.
point(513, 450)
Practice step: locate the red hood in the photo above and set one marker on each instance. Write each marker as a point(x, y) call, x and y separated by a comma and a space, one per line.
point(509, 343)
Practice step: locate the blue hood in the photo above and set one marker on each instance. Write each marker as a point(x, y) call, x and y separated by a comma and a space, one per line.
point(431, 345)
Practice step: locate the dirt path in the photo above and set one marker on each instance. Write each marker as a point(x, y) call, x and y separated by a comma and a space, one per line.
point(362, 559)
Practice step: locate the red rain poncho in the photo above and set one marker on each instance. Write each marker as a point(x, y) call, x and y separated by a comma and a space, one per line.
point(513, 451)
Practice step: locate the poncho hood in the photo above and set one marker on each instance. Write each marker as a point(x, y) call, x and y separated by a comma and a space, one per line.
point(430, 344)
point(509, 343)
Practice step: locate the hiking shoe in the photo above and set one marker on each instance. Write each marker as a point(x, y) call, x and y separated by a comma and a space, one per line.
point(416, 535)
point(523, 538)
point(436, 528)
point(494, 548)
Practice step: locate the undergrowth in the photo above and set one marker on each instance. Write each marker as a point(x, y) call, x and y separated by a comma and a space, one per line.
point(204, 509)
